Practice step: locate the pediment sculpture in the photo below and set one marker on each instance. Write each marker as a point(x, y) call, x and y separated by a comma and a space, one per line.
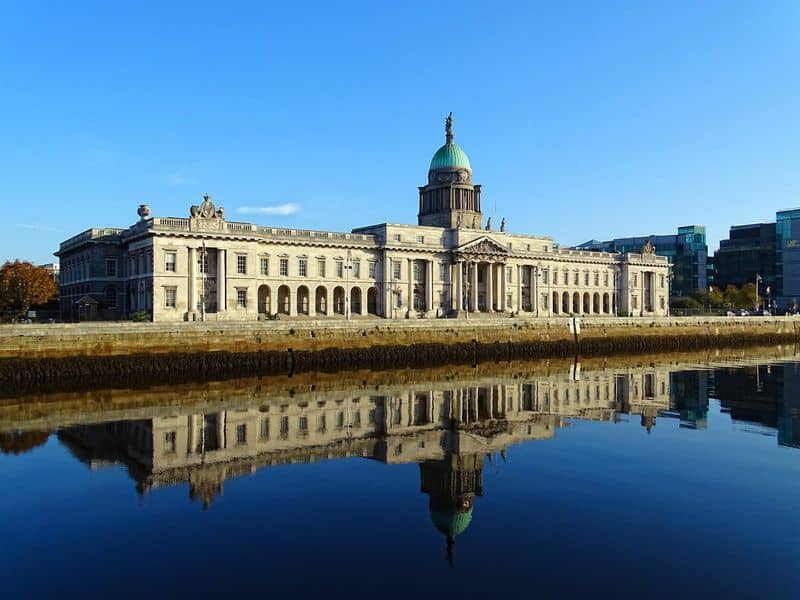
point(484, 247)
point(648, 249)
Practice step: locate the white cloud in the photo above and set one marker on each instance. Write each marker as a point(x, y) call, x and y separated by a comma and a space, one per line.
point(288, 208)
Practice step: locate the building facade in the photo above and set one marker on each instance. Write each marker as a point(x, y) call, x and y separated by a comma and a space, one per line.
point(748, 253)
point(767, 252)
point(449, 264)
point(687, 251)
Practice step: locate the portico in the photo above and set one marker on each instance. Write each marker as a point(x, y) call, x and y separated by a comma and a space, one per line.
point(480, 276)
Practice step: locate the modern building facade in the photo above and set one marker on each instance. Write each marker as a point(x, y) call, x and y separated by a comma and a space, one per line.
point(687, 251)
point(748, 253)
point(450, 263)
point(769, 252)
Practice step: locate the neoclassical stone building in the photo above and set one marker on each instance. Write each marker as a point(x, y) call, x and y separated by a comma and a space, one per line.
point(451, 263)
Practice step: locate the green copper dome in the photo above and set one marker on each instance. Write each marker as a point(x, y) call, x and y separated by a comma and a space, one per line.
point(451, 524)
point(450, 156)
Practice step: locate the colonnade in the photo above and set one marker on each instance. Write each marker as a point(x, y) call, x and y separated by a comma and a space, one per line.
point(467, 291)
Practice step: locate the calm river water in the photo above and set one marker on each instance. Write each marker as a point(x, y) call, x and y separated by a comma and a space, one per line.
point(542, 480)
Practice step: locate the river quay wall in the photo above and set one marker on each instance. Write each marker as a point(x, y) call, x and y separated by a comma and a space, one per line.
point(597, 335)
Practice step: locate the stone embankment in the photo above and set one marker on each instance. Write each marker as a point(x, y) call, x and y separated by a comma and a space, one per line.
point(30, 354)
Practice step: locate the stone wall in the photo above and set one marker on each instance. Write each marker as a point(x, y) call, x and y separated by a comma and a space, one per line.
point(120, 339)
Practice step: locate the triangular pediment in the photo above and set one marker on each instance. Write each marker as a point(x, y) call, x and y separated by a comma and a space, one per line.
point(483, 246)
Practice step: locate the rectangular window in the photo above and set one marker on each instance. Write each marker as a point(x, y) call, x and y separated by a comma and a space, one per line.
point(339, 420)
point(417, 272)
point(264, 432)
point(509, 274)
point(169, 442)
point(605, 278)
point(169, 297)
point(170, 261)
point(420, 239)
point(320, 267)
point(566, 277)
point(241, 298)
point(586, 278)
point(302, 425)
point(339, 269)
point(397, 237)
point(576, 278)
point(357, 269)
point(528, 247)
point(284, 267)
point(596, 278)
point(508, 300)
point(321, 424)
point(356, 419)
point(111, 267)
point(241, 433)
point(264, 265)
point(241, 265)
point(284, 427)
point(302, 267)
point(635, 279)
point(443, 268)
point(371, 269)
point(546, 276)
point(661, 279)
point(202, 261)
point(396, 264)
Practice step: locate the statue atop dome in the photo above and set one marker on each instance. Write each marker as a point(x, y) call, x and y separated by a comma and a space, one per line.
point(448, 128)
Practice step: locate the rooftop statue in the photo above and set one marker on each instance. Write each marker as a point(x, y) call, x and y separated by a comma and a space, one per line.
point(448, 128)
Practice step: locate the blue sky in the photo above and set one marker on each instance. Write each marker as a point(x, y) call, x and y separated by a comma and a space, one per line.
point(581, 120)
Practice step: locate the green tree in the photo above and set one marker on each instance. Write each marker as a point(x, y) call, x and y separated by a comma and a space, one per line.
point(716, 298)
point(23, 284)
point(747, 295)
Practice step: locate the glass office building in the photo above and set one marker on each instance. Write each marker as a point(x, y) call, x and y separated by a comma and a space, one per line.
point(687, 251)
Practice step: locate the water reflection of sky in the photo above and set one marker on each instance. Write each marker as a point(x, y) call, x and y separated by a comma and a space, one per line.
point(637, 481)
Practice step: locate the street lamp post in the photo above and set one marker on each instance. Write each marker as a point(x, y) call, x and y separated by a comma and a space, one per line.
point(758, 279)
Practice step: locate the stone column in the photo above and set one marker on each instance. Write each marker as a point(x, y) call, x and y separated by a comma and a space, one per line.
point(490, 287)
point(222, 439)
point(503, 286)
point(192, 419)
point(473, 301)
point(410, 286)
point(292, 303)
point(429, 286)
point(519, 289)
point(387, 288)
point(458, 293)
point(222, 296)
point(312, 305)
point(191, 305)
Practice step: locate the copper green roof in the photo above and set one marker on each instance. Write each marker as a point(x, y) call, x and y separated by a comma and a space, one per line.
point(450, 156)
point(451, 524)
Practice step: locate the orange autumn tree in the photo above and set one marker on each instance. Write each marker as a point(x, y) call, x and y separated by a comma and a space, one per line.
point(23, 284)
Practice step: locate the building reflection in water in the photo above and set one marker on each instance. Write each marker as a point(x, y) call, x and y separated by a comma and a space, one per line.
point(448, 429)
